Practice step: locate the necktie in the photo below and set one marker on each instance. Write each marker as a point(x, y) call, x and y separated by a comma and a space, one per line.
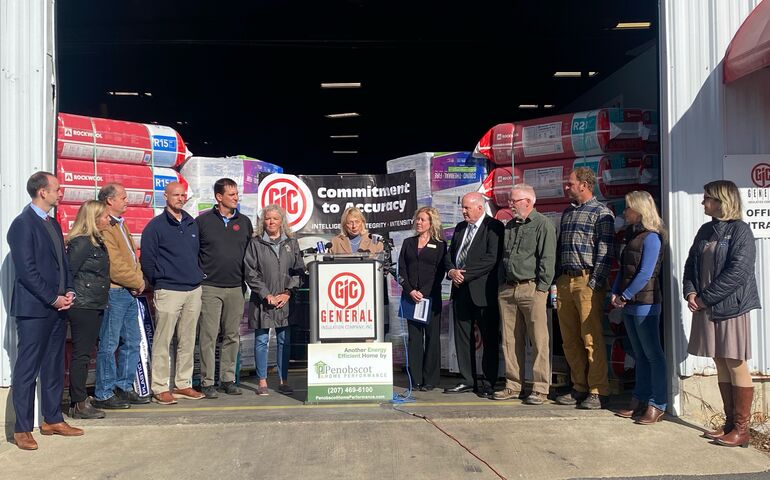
point(464, 247)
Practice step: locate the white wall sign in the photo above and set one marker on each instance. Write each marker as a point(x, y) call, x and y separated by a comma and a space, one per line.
point(751, 173)
point(346, 300)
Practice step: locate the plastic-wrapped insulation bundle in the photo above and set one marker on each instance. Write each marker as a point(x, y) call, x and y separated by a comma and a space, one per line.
point(117, 141)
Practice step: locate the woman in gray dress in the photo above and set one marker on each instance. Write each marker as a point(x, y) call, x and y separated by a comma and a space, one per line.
point(273, 264)
point(721, 289)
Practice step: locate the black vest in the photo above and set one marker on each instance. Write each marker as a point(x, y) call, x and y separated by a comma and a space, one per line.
point(630, 262)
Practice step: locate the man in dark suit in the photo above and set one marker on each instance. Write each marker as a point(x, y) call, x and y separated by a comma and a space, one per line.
point(42, 293)
point(472, 265)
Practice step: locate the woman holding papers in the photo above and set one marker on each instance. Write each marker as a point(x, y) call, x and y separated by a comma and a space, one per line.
point(421, 270)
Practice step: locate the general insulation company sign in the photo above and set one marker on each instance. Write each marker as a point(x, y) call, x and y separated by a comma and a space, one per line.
point(751, 173)
point(346, 300)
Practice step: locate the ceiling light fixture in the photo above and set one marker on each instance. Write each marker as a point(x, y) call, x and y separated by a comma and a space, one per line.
point(632, 25)
point(343, 136)
point(529, 106)
point(341, 85)
point(567, 74)
point(344, 152)
point(549, 106)
point(125, 94)
point(148, 94)
point(342, 115)
point(593, 74)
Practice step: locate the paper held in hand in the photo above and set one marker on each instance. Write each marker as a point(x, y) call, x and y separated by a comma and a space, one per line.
point(419, 312)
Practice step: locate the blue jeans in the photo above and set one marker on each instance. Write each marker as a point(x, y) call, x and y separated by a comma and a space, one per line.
point(651, 381)
point(261, 340)
point(120, 322)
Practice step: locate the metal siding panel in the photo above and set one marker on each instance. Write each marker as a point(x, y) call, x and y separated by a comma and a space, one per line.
point(747, 130)
point(694, 37)
point(27, 120)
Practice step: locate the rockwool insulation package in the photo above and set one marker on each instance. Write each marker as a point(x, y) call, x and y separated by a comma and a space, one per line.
point(616, 174)
point(81, 180)
point(496, 145)
point(136, 219)
point(101, 139)
point(569, 135)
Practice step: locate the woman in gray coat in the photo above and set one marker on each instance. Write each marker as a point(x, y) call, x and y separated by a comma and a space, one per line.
point(273, 264)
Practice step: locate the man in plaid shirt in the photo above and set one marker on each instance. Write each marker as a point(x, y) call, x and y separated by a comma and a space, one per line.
point(584, 256)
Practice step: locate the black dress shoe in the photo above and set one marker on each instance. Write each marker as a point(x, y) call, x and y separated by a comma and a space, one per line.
point(416, 387)
point(459, 388)
point(132, 397)
point(112, 403)
point(427, 388)
point(485, 392)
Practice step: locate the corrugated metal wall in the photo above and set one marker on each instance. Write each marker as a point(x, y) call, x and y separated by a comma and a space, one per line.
point(701, 121)
point(27, 121)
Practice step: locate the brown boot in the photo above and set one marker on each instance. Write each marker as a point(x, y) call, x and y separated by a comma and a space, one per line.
point(61, 428)
point(651, 415)
point(25, 441)
point(739, 435)
point(635, 409)
point(726, 390)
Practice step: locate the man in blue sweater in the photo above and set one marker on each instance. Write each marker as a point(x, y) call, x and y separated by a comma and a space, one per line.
point(169, 259)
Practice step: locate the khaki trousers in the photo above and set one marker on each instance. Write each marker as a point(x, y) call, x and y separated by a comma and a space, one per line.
point(174, 312)
point(221, 310)
point(522, 316)
point(580, 311)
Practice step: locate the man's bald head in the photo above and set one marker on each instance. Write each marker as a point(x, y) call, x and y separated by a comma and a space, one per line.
point(176, 197)
point(172, 186)
point(473, 206)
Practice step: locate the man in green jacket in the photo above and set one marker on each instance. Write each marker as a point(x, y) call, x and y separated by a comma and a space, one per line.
point(529, 258)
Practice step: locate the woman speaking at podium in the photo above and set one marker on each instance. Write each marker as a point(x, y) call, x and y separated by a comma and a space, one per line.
point(421, 270)
point(354, 236)
point(273, 263)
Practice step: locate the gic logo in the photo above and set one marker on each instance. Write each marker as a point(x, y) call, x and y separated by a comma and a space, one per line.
point(346, 290)
point(760, 175)
point(289, 193)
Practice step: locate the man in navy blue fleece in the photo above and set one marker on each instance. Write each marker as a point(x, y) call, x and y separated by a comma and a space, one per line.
point(169, 259)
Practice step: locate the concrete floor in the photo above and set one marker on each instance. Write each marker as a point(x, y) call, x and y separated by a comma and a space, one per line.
point(463, 437)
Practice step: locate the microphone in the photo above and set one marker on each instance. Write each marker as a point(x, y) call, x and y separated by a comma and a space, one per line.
point(375, 237)
point(309, 251)
point(328, 245)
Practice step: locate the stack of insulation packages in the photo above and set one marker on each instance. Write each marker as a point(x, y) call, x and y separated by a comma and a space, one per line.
point(621, 147)
point(92, 152)
point(442, 180)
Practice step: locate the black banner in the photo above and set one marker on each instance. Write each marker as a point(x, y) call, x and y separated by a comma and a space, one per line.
point(387, 201)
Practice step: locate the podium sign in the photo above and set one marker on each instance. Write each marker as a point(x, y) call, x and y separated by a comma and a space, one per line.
point(346, 300)
point(348, 372)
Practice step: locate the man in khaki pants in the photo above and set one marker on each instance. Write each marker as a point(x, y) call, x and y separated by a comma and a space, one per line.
point(585, 256)
point(170, 245)
point(529, 257)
